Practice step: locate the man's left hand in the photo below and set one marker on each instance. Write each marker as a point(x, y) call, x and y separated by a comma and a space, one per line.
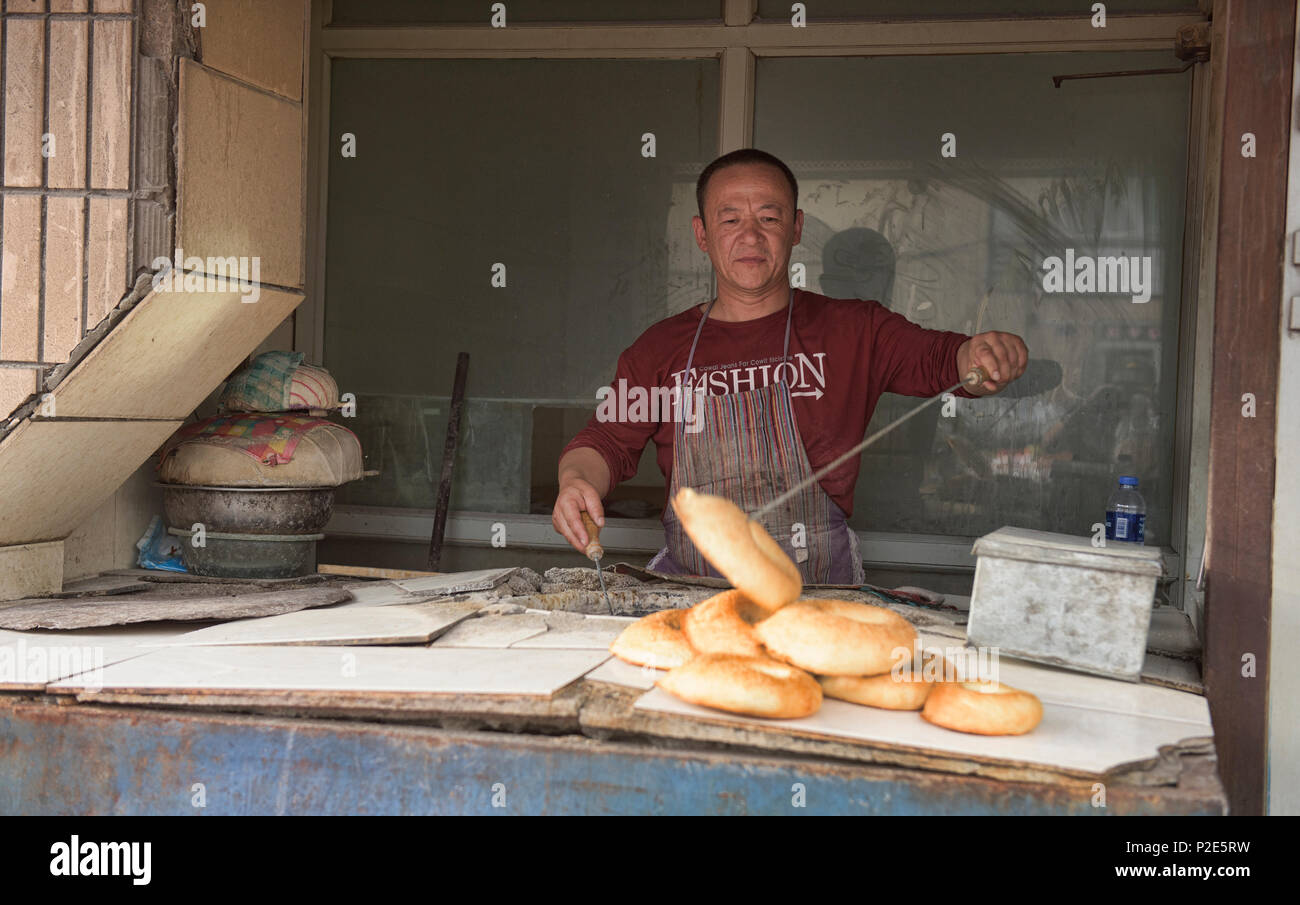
point(1002, 355)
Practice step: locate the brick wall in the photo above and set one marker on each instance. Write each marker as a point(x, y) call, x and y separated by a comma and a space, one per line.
point(69, 74)
point(207, 156)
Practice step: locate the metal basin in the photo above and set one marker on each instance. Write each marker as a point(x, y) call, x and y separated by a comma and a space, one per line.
point(249, 555)
point(249, 510)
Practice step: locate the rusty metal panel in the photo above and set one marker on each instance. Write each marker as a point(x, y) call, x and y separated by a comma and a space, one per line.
point(82, 759)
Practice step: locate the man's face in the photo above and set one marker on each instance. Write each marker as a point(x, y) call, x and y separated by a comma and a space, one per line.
point(750, 225)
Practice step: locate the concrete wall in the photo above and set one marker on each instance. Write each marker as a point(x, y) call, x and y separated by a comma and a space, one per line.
point(106, 539)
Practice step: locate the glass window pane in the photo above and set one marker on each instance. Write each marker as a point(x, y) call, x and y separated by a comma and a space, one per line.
point(457, 12)
point(537, 166)
point(848, 9)
point(1095, 170)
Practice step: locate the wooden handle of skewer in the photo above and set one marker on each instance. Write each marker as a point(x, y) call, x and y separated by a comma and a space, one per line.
point(594, 549)
point(976, 376)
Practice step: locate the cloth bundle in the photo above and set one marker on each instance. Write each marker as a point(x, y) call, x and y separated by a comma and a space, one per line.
point(263, 435)
point(279, 382)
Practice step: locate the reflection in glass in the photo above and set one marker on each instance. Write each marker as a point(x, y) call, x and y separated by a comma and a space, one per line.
point(1093, 176)
point(533, 165)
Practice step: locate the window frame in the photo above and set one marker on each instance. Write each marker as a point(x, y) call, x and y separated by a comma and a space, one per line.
point(737, 43)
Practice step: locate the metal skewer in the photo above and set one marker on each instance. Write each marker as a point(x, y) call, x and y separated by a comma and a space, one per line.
point(974, 377)
point(595, 552)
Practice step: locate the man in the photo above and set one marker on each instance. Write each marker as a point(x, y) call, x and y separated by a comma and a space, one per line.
point(772, 384)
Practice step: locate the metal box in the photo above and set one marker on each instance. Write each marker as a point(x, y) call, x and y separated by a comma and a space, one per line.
point(1057, 599)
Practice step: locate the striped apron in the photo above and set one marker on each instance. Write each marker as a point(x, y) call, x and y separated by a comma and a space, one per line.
point(748, 450)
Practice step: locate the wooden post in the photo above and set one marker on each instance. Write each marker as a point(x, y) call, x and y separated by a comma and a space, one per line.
point(1256, 44)
point(448, 461)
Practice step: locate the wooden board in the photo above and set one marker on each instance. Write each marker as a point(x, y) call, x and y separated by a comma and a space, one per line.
point(554, 714)
point(89, 612)
point(164, 576)
point(371, 572)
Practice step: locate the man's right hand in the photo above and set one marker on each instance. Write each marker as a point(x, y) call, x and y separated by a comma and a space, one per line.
point(576, 496)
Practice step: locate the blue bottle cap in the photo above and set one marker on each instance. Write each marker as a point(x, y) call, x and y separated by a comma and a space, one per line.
point(1128, 481)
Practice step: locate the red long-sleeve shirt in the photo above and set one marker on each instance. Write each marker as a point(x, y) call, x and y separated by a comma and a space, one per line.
point(843, 354)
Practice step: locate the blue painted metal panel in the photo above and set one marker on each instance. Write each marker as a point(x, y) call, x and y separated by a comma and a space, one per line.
point(121, 760)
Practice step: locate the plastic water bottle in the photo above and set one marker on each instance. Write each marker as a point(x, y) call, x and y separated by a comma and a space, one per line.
point(1126, 513)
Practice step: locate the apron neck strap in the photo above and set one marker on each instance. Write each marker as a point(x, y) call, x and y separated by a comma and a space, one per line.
point(785, 350)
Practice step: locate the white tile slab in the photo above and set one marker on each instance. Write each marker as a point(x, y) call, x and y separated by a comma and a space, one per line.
point(420, 670)
point(493, 631)
point(376, 593)
point(1073, 738)
point(1109, 695)
point(616, 672)
point(455, 582)
point(416, 623)
point(588, 635)
point(30, 663)
point(1062, 686)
